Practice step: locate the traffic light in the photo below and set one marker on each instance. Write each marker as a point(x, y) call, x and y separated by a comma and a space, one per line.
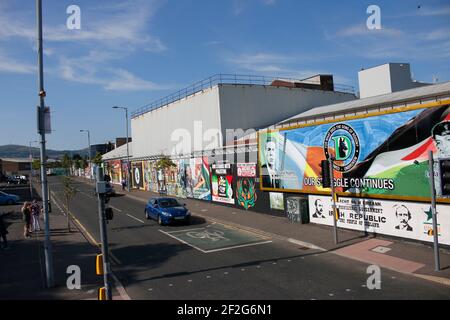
point(99, 265)
point(326, 181)
point(444, 169)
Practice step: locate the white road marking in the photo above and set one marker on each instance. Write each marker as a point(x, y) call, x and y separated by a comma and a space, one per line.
point(305, 244)
point(214, 250)
point(133, 217)
point(204, 210)
point(117, 209)
point(186, 243)
point(225, 273)
point(240, 246)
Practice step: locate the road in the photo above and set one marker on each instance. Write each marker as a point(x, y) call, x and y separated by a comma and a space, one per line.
point(206, 261)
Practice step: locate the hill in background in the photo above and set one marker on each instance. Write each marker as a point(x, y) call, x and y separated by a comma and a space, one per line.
point(17, 151)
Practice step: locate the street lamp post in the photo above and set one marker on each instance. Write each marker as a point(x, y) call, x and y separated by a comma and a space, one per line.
point(89, 146)
point(43, 153)
point(128, 150)
point(31, 170)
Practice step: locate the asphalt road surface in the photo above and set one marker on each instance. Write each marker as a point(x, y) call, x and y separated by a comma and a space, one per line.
point(204, 261)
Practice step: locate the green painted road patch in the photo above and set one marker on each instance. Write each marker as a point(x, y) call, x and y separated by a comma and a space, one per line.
point(217, 237)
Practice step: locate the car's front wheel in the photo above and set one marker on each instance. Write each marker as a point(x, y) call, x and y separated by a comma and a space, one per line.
point(160, 221)
point(146, 214)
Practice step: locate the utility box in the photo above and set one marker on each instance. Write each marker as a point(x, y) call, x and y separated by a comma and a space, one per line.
point(297, 210)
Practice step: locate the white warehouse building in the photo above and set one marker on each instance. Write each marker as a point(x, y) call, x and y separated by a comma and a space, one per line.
point(197, 118)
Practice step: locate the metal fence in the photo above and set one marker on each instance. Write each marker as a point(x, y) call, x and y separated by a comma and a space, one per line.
point(216, 79)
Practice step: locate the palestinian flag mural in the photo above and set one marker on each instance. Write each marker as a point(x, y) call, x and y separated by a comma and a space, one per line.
point(384, 154)
point(197, 183)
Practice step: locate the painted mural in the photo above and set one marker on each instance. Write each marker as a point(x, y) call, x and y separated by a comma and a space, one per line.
point(222, 183)
point(246, 195)
point(197, 183)
point(384, 154)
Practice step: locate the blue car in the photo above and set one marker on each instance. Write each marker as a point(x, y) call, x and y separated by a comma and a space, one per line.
point(167, 211)
point(6, 198)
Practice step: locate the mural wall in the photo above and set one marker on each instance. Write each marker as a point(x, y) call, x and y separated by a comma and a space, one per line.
point(384, 154)
point(396, 218)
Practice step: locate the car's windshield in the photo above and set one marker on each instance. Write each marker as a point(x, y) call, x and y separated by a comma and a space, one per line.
point(167, 203)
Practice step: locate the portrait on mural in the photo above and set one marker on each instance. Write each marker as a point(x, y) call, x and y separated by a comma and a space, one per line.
point(318, 209)
point(403, 217)
point(441, 136)
point(270, 167)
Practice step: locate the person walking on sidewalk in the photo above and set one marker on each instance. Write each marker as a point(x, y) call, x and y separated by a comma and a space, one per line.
point(3, 232)
point(26, 217)
point(124, 183)
point(35, 211)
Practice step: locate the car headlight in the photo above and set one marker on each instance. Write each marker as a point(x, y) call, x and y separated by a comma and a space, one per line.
point(165, 213)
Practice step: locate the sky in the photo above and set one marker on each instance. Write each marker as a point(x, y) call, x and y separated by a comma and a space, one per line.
point(130, 53)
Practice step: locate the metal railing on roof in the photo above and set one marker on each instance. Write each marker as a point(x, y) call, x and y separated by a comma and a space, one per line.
point(216, 79)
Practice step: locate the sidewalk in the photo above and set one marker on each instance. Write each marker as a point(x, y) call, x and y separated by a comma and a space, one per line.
point(405, 256)
point(22, 267)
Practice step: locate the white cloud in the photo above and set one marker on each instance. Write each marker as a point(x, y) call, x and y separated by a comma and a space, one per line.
point(426, 11)
point(362, 30)
point(269, 2)
point(278, 65)
point(93, 69)
point(390, 43)
point(10, 65)
point(108, 35)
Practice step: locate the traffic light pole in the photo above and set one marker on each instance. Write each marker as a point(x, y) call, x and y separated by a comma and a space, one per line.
point(103, 233)
point(437, 266)
point(333, 196)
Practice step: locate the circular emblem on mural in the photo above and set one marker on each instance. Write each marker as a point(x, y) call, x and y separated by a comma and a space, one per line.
point(345, 142)
point(137, 176)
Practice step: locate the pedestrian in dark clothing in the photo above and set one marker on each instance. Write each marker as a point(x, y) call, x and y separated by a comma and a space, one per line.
point(26, 217)
point(3, 232)
point(124, 183)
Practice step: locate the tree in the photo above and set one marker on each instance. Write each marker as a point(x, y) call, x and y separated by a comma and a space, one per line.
point(36, 164)
point(78, 164)
point(76, 157)
point(66, 162)
point(97, 159)
point(69, 192)
point(163, 164)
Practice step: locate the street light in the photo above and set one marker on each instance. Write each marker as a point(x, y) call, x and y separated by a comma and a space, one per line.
point(31, 170)
point(89, 146)
point(128, 151)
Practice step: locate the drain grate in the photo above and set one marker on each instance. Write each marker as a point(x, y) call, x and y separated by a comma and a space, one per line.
point(381, 249)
